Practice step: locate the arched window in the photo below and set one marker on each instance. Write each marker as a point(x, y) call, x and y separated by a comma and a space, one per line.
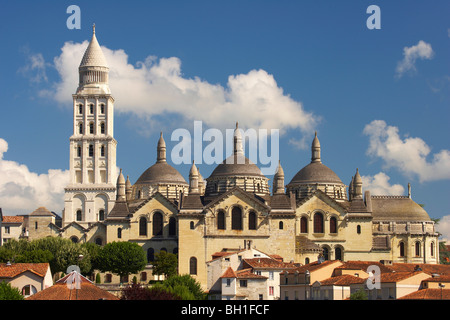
point(221, 225)
point(74, 239)
point(80, 109)
point(150, 254)
point(98, 241)
point(402, 249)
point(79, 215)
point(91, 128)
point(91, 108)
point(304, 225)
point(78, 151)
point(318, 222)
point(417, 246)
point(236, 218)
point(333, 225)
point(80, 128)
point(157, 224)
point(306, 260)
point(119, 233)
point(193, 265)
point(142, 226)
point(432, 249)
point(192, 225)
point(102, 151)
point(172, 227)
point(338, 253)
point(102, 127)
point(326, 253)
point(280, 225)
point(101, 215)
point(252, 220)
point(102, 109)
point(91, 150)
point(358, 229)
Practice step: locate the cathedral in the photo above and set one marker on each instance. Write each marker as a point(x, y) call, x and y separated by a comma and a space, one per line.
point(315, 215)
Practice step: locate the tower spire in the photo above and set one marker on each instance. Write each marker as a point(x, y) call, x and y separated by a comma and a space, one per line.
point(315, 150)
point(161, 149)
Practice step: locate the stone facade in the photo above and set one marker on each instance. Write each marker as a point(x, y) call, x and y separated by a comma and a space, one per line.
point(312, 217)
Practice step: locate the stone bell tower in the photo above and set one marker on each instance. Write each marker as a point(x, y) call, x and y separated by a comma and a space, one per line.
point(90, 194)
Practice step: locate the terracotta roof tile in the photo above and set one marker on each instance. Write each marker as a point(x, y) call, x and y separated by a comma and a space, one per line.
point(248, 274)
point(268, 263)
point(428, 294)
point(229, 273)
point(12, 219)
point(61, 291)
point(16, 269)
point(344, 280)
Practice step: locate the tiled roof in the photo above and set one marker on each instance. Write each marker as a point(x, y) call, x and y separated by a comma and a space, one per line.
point(428, 294)
point(42, 211)
point(397, 276)
point(344, 280)
point(363, 265)
point(427, 268)
point(441, 278)
point(61, 291)
point(15, 269)
point(313, 266)
point(268, 263)
point(248, 274)
point(229, 273)
point(12, 219)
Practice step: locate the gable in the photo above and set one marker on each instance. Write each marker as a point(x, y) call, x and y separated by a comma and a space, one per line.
point(238, 197)
point(321, 202)
point(155, 203)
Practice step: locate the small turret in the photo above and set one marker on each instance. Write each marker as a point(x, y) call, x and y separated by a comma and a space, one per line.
point(161, 149)
point(357, 186)
point(315, 150)
point(128, 189)
point(193, 179)
point(278, 180)
point(121, 193)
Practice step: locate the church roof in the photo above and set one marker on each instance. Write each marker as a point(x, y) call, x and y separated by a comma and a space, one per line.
point(316, 172)
point(397, 208)
point(161, 172)
point(93, 56)
point(236, 165)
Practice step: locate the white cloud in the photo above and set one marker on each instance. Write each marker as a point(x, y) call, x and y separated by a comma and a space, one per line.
point(35, 69)
point(379, 185)
point(22, 191)
point(408, 155)
point(421, 50)
point(443, 227)
point(157, 87)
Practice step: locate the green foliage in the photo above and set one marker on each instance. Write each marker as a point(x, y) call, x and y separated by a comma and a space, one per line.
point(98, 278)
point(444, 255)
point(361, 294)
point(165, 264)
point(121, 258)
point(9, 293)
point(184, 286)
point(58, 252)
point(138, 292)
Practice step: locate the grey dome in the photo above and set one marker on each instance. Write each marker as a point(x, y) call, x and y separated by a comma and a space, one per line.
point(236, 165)
point(316, 172)
point(161, 172)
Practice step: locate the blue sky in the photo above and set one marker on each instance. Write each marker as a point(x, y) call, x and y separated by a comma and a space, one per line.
point(316, 56)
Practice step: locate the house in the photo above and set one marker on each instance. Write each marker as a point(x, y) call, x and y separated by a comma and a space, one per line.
point(243, 285)
point(73, 286)
point(295, 283)
point(428, 294)
point(29, 278)
point(11, 227)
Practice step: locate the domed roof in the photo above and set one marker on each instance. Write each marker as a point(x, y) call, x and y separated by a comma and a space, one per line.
point(315, 172)
point(93, 56)
point(235, 165)
point(397, 208)
point(161, 172)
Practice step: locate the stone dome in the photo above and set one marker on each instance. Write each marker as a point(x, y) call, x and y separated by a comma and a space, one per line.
point(161, 172)
point(237, 171)
point(315, 172)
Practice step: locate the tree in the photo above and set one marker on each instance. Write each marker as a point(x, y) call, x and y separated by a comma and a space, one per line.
point(185, 286)
point(166, 264)
point(122, 258)
point(138, 292)
point(361, 294)
point(7, 292)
